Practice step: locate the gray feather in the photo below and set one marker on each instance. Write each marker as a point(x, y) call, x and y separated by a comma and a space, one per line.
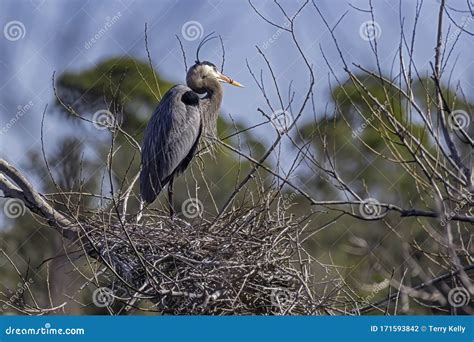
point(170, 141)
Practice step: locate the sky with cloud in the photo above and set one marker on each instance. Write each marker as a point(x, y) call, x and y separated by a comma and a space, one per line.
point(41, 37)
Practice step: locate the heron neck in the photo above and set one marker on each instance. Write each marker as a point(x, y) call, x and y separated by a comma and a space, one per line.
point(213, 99)
point(210, 105)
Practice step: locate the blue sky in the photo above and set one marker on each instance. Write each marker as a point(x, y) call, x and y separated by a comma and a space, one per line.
point(54, 37)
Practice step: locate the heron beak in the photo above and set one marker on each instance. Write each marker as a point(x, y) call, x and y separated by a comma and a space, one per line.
point(226, 79)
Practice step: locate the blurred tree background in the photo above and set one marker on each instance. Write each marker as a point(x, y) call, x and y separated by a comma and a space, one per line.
point(364, 255)
point(130, 89)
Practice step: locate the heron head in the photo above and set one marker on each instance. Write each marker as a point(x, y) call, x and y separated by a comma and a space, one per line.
point(204, 75)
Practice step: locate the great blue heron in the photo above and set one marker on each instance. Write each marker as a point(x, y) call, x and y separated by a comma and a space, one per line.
point(173, 132)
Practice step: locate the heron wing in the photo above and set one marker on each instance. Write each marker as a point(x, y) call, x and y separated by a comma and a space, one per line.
point(170, 141)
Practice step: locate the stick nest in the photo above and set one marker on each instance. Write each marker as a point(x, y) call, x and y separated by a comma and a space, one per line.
point(243, 263)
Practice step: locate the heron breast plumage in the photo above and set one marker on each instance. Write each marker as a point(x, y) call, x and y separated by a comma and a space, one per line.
point(171, 139)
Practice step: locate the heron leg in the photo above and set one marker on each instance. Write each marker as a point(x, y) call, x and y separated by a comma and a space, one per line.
point(170, 197)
